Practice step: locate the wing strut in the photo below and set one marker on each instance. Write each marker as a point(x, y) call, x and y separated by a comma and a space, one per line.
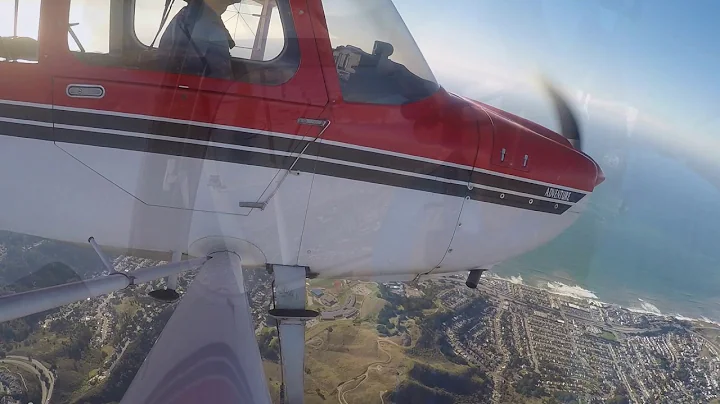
point(35, 301)
point(290, 312)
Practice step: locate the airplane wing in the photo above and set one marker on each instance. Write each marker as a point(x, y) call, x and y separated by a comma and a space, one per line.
point(208, 347)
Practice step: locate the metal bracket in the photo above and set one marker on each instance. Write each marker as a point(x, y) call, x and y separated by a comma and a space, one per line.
point(106, 262)
point(301, 121)
point(309, 274)
point(253, 205)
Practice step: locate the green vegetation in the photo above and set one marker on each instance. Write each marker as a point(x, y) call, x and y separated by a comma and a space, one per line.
point(412, 392)
point(529, 385)
point(565, 397)
point(607, 335)
point(433, 344)
point(620, 397)
point(429, 384)
point(126, 368)
point(469, 382)
point(269, 344)
point(398, 310)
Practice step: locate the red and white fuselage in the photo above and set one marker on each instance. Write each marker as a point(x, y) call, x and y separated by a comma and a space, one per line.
point(287, 174)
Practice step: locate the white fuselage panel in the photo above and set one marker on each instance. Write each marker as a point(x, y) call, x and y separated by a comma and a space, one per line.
point(337, 226)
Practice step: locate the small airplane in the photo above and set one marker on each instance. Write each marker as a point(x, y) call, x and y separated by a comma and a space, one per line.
point(333, 152)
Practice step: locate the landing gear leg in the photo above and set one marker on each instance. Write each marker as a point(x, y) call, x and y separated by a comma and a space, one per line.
point(474, 278)
point(291, 313)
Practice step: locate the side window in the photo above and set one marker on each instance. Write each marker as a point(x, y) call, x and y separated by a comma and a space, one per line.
point(19, 27)
point(252, 40)
point(89, 29)
point(255, 27)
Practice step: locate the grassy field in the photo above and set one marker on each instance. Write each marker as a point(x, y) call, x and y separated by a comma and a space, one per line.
point(381, 378)
point(337, 352)
point(108, 349)
point(345, 353)
point(608, 336)
point(42, 345)
point(371, 306)
point(326, 284)
point(51, 348)
point(341, 350)
point(274, 374)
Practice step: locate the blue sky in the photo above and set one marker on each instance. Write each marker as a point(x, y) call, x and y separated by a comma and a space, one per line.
point(661, 60)
point(659, 56)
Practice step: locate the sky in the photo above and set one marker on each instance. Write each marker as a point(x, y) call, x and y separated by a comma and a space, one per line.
point(652, 230)
point(658, 56)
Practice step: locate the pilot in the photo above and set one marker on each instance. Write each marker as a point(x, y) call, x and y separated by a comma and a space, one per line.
point(198, 40)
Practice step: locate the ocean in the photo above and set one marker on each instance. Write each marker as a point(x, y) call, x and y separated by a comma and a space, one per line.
point(650, 239)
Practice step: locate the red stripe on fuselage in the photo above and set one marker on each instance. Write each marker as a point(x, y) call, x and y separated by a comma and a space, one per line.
point(441, 128)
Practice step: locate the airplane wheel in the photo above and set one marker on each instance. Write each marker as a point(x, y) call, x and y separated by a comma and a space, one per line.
point(165, 295)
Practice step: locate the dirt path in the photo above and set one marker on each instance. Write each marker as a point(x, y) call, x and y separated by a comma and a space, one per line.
point(362, 377)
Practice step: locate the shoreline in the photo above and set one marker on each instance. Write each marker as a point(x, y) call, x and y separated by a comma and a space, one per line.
point(579, 293)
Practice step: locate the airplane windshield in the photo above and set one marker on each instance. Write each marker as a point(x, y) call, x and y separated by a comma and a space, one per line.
point(377, 59)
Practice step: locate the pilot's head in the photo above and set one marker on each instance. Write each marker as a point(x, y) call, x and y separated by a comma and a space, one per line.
point(218, 5)
point(224, 3)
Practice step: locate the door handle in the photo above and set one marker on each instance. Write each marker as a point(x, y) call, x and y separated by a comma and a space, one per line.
point(85, 91)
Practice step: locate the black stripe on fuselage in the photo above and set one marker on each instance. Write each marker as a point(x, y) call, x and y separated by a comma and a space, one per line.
point(180, 131)
point(26, 131)
point(308, 164)
point(172, 148)
point(387, 161)
point(429, 185)
point(511, 184)
point(277, 143)
point(28, 113)
point(438, 170)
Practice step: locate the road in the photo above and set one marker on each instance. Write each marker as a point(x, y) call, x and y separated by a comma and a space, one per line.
point(363, 376)
point(628, 330)
point(35, 367)
point(618, 370)
point(714, 348)
point(497, 374)
point(115, 362)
